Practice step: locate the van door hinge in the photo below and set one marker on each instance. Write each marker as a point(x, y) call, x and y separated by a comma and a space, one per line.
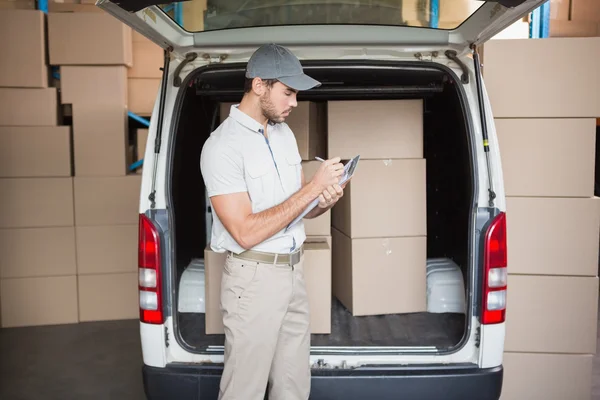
point(166, 337)
point(451, 54)
point(214, 59)
point(189, 57)
point(478, 337)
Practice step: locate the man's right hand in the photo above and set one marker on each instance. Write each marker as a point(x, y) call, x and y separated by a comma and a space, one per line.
point(328, 174)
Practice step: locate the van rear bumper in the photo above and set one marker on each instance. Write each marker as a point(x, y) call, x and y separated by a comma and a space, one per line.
point(202, 382)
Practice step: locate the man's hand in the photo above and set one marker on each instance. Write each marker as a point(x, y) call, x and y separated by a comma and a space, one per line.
point(328, 174)
point(330, 196)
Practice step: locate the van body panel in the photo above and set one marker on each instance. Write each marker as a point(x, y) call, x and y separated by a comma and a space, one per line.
point(153, 345)
point(492, 345)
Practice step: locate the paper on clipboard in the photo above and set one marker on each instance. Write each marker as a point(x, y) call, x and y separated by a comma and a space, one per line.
point(349, 169)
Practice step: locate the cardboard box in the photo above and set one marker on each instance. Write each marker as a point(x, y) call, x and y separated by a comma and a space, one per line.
point(88, 39)
point(551, 314)
point(320, 226)
point(41, 110)
point(23, 49)
point(142, 94)
point(585, 10)
point(107, 249)
point(394, 129)
point(36, 202)
point(54, 7)
point(148, 59)
point(380, 275)
point(108, 297)
point(39, 301)
point(35, 151)
point(574, 28)
point(547, 376)
point(17, 5)
point(100, 140)
point(37, 252)
point(400, 208)
point(94, 85)
point(317, 275)
point(142, 140)
point(548, 157)
point(107, 200)
point(559, 10)
point(538, 62)
point(553, 236)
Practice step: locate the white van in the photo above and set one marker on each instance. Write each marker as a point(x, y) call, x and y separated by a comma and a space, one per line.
point(370, 51)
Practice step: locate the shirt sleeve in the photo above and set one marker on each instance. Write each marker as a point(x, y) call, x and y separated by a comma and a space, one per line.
point(222, 169)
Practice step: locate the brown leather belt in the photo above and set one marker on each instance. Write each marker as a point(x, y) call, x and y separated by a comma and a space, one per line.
point(271, 258)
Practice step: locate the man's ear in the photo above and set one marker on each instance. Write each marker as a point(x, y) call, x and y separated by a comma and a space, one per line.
point(258, 86)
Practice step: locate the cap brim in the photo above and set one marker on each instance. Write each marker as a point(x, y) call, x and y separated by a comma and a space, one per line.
point(300, 82)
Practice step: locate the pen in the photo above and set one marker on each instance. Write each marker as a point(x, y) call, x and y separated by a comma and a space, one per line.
point(319, 159)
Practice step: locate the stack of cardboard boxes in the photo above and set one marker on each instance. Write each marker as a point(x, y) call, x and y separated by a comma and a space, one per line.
point(38, 282)
point(94, 52)
point(547, 142)
point(379, 226)
point(574, 18)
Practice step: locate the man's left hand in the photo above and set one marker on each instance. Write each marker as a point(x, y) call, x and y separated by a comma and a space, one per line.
point(331, 195)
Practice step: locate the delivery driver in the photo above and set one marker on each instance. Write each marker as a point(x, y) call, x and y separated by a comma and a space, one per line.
point(252, 171)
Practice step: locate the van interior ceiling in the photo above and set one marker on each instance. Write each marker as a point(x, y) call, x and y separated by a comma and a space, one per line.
point(449, 189)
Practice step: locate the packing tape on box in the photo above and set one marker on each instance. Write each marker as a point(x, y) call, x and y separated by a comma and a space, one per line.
point(387, 162)
point(386, 246)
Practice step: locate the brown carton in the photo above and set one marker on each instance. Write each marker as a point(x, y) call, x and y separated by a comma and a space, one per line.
point(553, 236)
point(548, 157)
point(320, 226)
point(147, 60)
point(569, 301)
point(375, 129)
point(386, 198)
point(574, 28)
point(94, 85)
point(108, 297)
point(88, 38)
point(547, 376)
point(107, 249)
point(530, 62)
point(107, 200)
point(35, 151)
point(41, 110)
point(380, 275)
point(17, 5)
point(559, 10)
point(142, 141)
point(585, 10)
point(36, 202)
point(142, 94)
point(39, 301)
point(23, 49)
point(99, 137)
point(37, 252)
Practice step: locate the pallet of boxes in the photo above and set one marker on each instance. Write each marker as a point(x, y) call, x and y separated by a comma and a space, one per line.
point(547, 140)
point(98, 61)
point(574, 18)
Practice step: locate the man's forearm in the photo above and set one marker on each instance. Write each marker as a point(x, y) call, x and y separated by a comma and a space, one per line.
point(315, 212)
point(261, 226)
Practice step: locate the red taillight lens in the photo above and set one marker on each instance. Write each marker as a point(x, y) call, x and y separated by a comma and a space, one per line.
point(495, 272)
point(149, 272)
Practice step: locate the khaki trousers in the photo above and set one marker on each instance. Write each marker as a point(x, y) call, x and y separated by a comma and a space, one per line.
point(267, 335)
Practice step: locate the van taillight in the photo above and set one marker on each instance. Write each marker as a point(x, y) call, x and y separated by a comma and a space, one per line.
point(149, 272)
point(495, 272)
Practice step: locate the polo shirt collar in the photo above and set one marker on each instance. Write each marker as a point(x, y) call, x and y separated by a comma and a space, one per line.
point(245, 119)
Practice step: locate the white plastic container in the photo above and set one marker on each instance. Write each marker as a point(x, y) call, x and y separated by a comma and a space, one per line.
point(192, 289)
point(445, 287)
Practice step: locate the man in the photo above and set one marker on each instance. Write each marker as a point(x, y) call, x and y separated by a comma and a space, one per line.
point(253, 174)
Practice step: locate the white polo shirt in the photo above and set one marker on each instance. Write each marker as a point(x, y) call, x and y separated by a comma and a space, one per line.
point(238, 158)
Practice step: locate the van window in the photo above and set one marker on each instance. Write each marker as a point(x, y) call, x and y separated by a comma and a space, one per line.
point(226, 14)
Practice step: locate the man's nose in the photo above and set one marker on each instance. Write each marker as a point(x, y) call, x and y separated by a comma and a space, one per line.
point(293, 101)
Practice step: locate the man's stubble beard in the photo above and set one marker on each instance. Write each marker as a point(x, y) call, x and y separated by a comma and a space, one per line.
point(268, 110)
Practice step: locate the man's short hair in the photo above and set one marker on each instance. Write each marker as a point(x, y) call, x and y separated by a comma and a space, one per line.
point(248, 84)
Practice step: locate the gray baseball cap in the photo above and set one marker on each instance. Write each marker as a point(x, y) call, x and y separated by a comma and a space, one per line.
point(272, 61)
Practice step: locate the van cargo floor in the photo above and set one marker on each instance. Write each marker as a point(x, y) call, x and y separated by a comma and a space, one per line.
point(417, 329)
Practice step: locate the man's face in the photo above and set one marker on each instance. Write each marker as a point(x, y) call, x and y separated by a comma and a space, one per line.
point(277, 102)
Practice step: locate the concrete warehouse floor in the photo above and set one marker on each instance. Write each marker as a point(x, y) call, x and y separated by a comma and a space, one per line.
point(99, 360)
